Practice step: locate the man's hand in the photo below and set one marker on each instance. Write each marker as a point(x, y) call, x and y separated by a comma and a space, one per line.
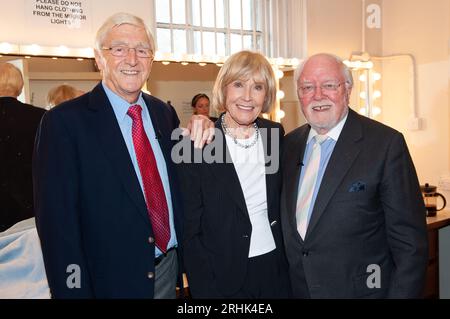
point(201, 130)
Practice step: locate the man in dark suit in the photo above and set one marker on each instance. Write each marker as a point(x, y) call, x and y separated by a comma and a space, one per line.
point(357, 229)
point(18, 125)
point(107, 200)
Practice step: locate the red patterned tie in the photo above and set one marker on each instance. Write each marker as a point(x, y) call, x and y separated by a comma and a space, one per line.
point(153, 187)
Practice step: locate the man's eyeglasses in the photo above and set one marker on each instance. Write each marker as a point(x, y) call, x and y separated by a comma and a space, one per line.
point(308, 89)
point(122, 51)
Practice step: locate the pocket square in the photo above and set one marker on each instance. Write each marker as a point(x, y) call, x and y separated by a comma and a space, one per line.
point(357, 187)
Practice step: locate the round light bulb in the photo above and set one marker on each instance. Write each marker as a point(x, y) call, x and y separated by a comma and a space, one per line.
point(177, 57)
point(5, 47)
point(88, 52)
point(279, 74)
point(63, 50)
point(35, 49)
point(376, 94)
point(280, 61)
point(295, 62)
point(158, 55)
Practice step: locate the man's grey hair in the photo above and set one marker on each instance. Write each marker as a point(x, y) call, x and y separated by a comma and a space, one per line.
point(117, 20)
point(11, 80)
point(346, 72)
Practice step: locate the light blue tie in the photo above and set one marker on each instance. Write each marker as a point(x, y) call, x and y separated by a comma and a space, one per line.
point(306, 189)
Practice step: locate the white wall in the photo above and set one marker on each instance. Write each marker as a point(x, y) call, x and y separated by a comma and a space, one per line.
point(334, 26)
point(180, 94)
point(420, 28)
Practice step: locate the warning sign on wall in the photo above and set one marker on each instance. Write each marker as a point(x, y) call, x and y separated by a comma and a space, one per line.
point(73, 14)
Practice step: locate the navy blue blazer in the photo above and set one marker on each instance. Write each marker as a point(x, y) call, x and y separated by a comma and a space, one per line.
point(90, 209)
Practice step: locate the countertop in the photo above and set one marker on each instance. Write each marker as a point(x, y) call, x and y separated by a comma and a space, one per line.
point(441, 219)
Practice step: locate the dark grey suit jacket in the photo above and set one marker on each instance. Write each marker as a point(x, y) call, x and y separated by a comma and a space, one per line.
point(368, 213)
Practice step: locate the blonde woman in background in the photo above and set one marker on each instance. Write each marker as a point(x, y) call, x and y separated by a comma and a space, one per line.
point(62, 93)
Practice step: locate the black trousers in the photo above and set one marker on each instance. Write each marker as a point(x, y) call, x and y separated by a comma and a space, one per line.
point(265, 279)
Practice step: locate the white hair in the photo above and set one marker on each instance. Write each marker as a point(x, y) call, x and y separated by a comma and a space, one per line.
point(117, 20)
point(346, 72)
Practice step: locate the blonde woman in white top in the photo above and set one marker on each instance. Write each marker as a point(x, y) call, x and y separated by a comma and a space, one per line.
point(232, 237)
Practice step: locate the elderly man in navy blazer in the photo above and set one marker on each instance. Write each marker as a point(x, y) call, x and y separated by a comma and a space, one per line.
point(106, 193)
point(352, 213)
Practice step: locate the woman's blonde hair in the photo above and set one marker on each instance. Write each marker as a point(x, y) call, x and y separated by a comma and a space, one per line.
point(61, 93)
point(245, 65)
